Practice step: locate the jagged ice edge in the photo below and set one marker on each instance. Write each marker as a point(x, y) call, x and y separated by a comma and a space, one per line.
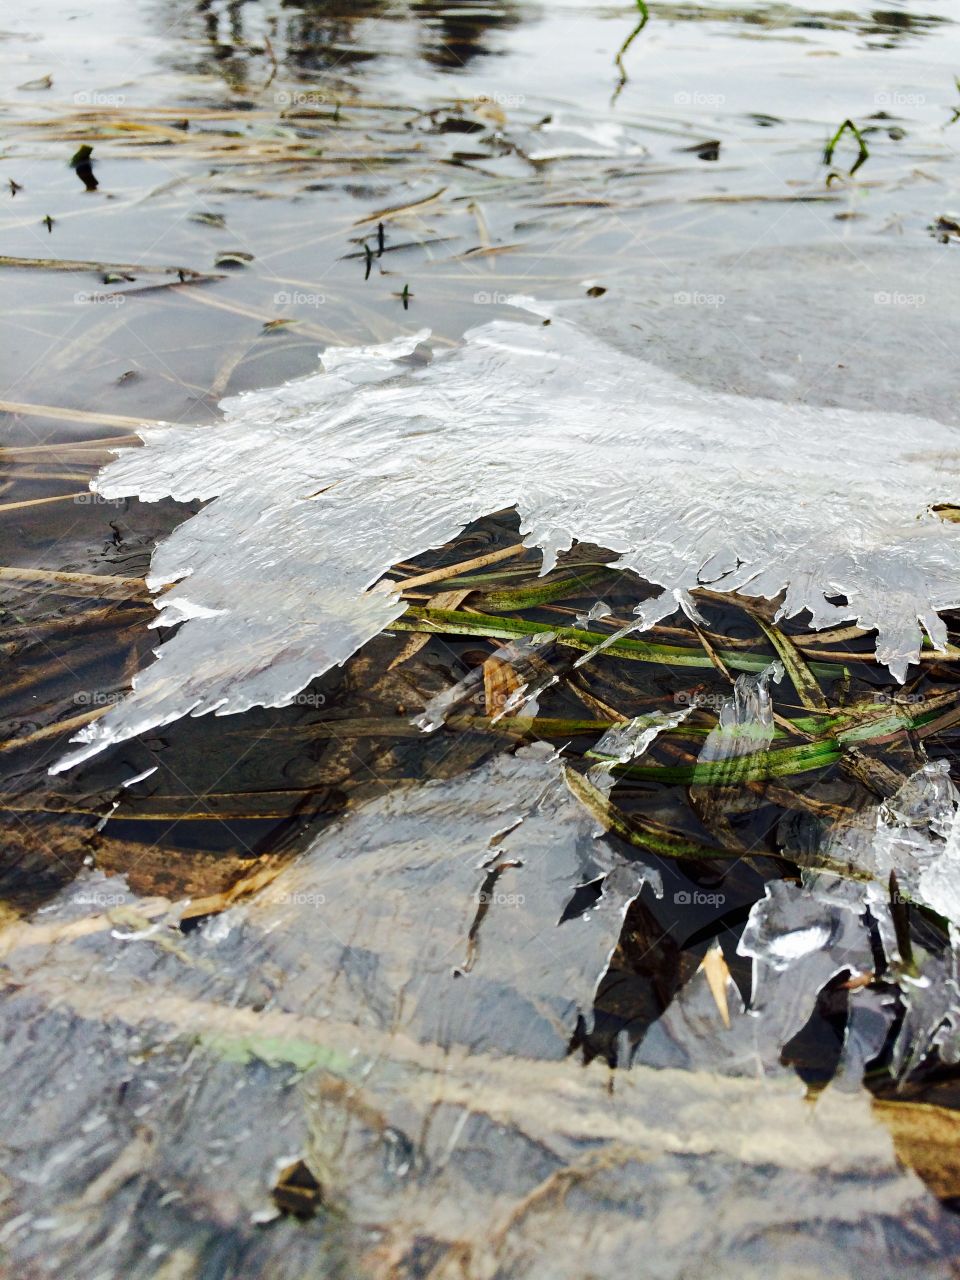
point(316, 488)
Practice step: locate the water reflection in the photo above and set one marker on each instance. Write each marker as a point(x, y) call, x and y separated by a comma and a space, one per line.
point(244, 43)
point(897, 26)
point(455, 32)
point(319, 37)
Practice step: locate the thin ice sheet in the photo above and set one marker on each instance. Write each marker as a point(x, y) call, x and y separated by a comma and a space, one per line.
point(316, 488)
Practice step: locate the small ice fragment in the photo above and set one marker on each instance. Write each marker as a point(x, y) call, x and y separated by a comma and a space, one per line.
point(107, 816)
point(927, 799)
point(139, 777)
point(939, 882)
point(626, 742)
point(871, 1015)
point(782, 950)
point(596, 611)
point(172, 610)
point(932, 1017)
point(745, 724)
point(785, 926)
point(570, 137)
point(790, 924)
point(799, 942)
point(915, 834)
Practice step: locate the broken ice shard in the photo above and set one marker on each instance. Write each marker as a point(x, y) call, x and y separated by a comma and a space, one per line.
point(629, 741)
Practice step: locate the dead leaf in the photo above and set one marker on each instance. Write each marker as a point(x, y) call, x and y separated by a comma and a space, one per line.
point(717, 973)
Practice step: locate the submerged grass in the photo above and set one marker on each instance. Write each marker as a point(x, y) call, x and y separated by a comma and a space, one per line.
point(642, 20)
point(863, 153)
point(454, 622)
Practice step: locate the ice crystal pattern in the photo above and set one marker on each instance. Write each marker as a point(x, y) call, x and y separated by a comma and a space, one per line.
point(316, 488)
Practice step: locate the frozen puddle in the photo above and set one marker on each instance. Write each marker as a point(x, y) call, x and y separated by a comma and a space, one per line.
point(395, 1009)
point(316, 488)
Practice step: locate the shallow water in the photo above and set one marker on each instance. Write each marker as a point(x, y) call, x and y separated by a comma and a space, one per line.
point(770, 85)
point(179, 1000)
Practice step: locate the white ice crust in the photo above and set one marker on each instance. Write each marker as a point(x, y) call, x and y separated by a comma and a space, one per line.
point(317, 487)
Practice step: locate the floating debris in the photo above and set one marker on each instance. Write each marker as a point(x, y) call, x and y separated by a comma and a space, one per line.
point(523, 657)
point(233, 258)
point(42, 82)
point(709, 150)
point(81, 164)
point(297, 1191)
point(206, 219)
point(946, 227)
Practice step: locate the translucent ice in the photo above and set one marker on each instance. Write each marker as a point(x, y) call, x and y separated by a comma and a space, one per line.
point(800, 938)
point(316, 488)
point(523, 657)
point(629, 741)
point(916, 835)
